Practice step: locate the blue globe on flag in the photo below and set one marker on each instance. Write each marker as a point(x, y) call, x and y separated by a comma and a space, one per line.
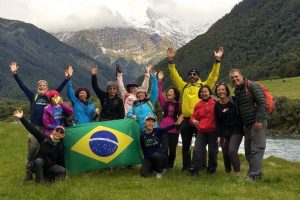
point(103, 143)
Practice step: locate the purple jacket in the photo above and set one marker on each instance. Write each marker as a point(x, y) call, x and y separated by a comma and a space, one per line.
point(167, 120)
point(48, 118)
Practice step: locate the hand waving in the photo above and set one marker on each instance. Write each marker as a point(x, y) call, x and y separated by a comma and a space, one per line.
point(160, 75)
point(219, 53)
point(94, 69)
point(148, 68)
point(18, 114)
point(14, 67)
point(171, 53)
point(69, 72)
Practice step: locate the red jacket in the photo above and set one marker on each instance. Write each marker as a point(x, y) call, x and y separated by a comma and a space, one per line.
point(204, 113)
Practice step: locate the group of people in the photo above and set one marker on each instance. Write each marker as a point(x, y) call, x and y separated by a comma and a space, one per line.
point(188, 108)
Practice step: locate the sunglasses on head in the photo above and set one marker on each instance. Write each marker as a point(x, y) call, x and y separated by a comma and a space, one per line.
point(220, 84)
point(193, 74)
point(60, 131)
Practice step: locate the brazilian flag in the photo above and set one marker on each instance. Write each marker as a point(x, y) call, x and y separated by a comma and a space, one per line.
point(99, 145)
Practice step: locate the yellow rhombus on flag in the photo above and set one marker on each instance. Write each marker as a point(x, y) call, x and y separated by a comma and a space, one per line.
point(101, 145)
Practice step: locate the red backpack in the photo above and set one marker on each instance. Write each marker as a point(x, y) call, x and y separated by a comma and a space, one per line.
point(270, 103)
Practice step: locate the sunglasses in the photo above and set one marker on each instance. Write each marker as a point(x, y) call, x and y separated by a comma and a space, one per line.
point(220, 84)
point(60, 131)
point(193, 74)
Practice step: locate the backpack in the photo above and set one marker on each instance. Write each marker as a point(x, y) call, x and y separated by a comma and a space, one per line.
point(270, 103)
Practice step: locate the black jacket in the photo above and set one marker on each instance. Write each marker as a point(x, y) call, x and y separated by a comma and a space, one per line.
point(52, 153)
point(111, 108)
point(227, 120)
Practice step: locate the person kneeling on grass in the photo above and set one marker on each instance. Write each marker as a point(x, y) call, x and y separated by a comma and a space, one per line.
point(154, 154)
point(49, 162)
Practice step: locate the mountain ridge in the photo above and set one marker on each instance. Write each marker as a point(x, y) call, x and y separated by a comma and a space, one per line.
point(40, 56)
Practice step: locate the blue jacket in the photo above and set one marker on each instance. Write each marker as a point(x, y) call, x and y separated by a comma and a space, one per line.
point(84, 112)
point(37, 102)
point(142, 109)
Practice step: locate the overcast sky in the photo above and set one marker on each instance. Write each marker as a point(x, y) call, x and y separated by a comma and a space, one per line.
point(61, 15)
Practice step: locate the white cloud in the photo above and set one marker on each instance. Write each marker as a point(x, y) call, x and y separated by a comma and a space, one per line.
point(57, 15)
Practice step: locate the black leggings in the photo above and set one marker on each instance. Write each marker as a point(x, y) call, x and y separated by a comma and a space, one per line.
point(169, 142)
point(230, 149)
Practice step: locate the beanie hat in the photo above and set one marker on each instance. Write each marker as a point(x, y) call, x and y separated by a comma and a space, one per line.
point(78, 90)
point(52, 93)
point(194, 70)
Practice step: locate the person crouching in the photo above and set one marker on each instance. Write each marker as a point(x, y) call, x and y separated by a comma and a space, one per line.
point(154, 154)
point(49, 162)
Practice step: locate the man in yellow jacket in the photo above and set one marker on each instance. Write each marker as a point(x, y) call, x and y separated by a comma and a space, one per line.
point(189, 92)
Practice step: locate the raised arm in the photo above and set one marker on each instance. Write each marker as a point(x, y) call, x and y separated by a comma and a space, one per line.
point(30, 127)
point(214, 74)
point(176, 79)
point(70, 91)
point(145, 83)
point(154, 88)
point(100, 93)
point(68, 75)
point(120, 82)
point(161, 97)
point(14, 68)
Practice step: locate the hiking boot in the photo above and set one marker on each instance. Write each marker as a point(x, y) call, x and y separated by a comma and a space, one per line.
point(27, 178)
point(210, 171)
point(185, 169)
point(195, 173)
point(253, 177)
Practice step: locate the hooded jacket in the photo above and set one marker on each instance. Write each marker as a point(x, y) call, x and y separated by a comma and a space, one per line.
point(129, 98)
point(142, 109)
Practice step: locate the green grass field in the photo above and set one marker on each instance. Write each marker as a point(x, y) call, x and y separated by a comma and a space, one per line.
point(287, 87)
point(281, 180)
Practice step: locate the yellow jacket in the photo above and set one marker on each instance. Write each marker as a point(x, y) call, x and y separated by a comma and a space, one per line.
point(190, 93)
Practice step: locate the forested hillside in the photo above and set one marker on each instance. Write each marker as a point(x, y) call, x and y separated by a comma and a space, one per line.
point(261, 37)
point(40, 56)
